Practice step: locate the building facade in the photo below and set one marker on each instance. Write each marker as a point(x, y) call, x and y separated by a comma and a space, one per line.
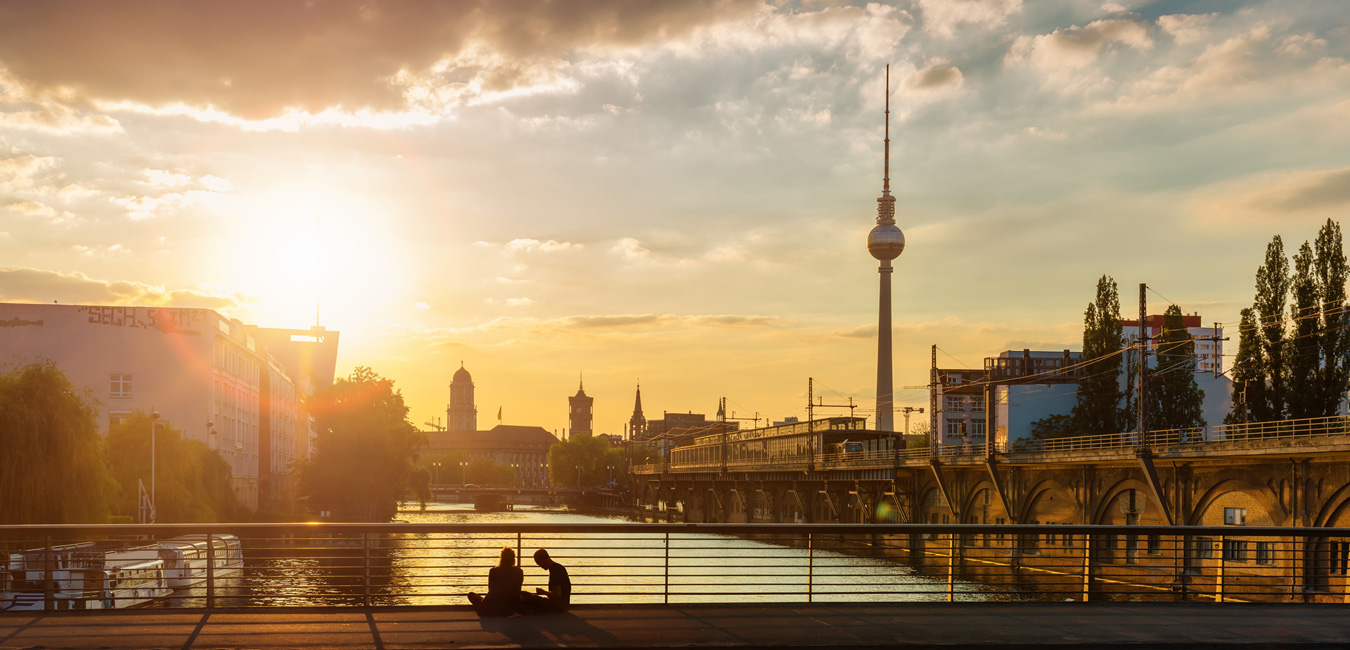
point(461, 414)
point(208, 375)
point(580, 412)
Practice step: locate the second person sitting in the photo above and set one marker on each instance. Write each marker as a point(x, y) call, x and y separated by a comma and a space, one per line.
point(504, 583)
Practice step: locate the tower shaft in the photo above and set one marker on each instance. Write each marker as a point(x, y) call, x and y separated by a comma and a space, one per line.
point(885, 390)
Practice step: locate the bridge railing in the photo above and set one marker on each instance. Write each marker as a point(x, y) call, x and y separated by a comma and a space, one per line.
point(364, 565)
point(1252, 432)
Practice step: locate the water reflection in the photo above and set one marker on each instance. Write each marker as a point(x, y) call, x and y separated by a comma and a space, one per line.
point(439, 568)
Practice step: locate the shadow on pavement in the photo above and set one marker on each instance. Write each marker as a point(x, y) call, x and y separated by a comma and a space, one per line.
point(550, 631)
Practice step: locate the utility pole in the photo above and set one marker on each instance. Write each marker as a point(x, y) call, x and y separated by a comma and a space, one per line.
point(1142, 398)
point(933, 405)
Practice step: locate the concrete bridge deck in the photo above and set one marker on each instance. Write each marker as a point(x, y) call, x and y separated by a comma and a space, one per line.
point(966, 625)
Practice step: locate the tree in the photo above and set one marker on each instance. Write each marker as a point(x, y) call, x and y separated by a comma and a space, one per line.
point(594, 456)
point(1331, 270)
point(1175, 400)
point(1098, 409)
point(1272, 289)
point(192, 482)
point(52, 469)
point(918, 438)
point(1302, 349)
point(1248, 373)
point(366, 448)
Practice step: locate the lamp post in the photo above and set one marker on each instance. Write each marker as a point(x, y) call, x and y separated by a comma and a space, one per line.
point(436, 468)
point(543, 473)
point(578, 477)
point(464, 473)
point(154, 417)
point(611, 473)
point(515, 474)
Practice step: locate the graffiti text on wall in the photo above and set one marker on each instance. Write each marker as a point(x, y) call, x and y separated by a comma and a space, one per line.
point(169, 321)
point(18, 322)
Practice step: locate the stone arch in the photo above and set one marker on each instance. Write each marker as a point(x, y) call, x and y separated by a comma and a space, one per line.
point(982, 505)
point(932, 508)
point(1272, 513)
point(1328, 560)
point(737, 509)
point(1128, 502)
point(858, 508)
point(824, 507)
point(889, 511)
point(714, 507)
point(761, 507)
point(1037, 509)
point(791, 509)
point(1335, 511)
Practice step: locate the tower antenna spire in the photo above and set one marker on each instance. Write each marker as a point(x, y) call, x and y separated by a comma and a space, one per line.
point(886, 178)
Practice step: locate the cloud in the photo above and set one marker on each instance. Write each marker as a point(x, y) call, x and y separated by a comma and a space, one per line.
point(630, 249)
point(938, 75)
point(260, 59)
point(519, 302)
point(1307, 194)
point(943, 17)
point(532, 245)
point(37, 285)
point(32, 209)
point(1186, 28)
point(1075, 47)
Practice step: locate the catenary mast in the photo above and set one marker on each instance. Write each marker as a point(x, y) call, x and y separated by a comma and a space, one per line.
point(885, 243)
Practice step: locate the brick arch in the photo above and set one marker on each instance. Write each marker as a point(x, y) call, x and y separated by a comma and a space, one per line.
point(1336, 505)
point(788, 506)
point(1271, 506)
point(1048, 486)
point(975, 503)
point(858, 508)
point(1140, 487)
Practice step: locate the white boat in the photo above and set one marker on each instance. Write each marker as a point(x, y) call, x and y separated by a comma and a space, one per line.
point(186, 559)
point(84, 576)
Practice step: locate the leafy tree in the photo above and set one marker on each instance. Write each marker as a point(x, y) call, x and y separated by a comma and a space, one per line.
point(1248, 373)
point(1272, 290)
point(1175, 401)
point(366, 449)
point(191, 482)
point(1053, 426)
point(918, 436)
point(1331, 272)
point(1302, 348)
point(1098, 409)
point(52, 469)
point(594, 456)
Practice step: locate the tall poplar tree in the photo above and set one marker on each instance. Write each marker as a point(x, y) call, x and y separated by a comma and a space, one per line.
point(1175, 400)
point(1098, 409)
point(1331, 271)
point(1248, 373)
point(1272, 290)
point(1302, 349)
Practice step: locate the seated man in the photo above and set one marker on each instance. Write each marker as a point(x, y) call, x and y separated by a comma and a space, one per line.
point(559, 593)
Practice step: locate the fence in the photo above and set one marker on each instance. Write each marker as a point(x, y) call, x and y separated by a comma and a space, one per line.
point(57, 567)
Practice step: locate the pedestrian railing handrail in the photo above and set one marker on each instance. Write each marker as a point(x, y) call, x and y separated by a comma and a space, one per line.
point(364, 564)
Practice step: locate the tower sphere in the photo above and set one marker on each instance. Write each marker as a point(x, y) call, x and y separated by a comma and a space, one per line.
point(886, 242)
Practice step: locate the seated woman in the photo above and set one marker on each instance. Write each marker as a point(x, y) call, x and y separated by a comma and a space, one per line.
point(504, 582)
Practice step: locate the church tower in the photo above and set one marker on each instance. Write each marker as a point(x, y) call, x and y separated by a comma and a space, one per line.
point(637, 424)
point(581, 406)
point(461, 415)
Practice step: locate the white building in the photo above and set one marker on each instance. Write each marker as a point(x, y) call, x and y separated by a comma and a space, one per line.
point(206, 374)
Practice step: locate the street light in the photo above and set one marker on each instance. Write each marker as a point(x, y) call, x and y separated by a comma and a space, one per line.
point(543, 473)
point(154, 417)
point(436, 468)
point(611, 473)
point(464, 473)
point(578, 477)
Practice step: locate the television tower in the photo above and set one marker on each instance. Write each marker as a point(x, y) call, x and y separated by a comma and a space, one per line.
point(885, 243)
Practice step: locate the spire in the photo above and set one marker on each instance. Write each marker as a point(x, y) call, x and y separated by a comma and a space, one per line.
point(637, 425)
point(886, 203)
point(637, 404)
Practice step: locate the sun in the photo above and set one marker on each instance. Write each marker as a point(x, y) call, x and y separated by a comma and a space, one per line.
point(303, 249)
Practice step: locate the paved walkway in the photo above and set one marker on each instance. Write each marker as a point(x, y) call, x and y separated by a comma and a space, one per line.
point(972, 625)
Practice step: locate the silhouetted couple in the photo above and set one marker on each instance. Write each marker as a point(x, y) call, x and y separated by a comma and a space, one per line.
point(505, 597)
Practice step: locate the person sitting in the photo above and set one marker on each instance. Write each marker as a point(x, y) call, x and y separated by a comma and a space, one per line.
point(504, 583)
point(559, 593)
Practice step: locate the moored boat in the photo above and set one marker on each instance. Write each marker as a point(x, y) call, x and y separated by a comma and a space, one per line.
point(83, 576)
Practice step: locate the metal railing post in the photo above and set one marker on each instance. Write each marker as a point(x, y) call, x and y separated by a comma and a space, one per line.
point(810, 567)
point(47, 586)
point(1218, 579)
point(951, 567)
point(666, 594)
point(210, 571)
point(365, 569)
point(520, 561)
point(1087, 567)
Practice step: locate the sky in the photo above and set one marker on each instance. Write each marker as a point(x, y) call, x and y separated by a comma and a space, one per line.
point(672, 192)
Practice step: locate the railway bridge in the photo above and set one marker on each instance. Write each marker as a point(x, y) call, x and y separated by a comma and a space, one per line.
point(1285, 474)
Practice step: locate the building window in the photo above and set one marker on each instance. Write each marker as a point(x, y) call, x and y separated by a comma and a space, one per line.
point(1235, 516)
point(954, 428)
point(1265, 552)
point(117, 417)
point(977, 427)
point(955, 403)
point(1155, 544)
point(119, 385)
point(1204, 548)
point(1234, 550)
point(977, 403)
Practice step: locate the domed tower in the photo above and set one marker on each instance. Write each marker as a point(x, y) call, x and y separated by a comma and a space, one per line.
point(461, 415)
point(581, 406)
point(885, 243)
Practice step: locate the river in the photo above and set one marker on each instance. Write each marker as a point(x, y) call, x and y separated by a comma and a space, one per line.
point(426, 569)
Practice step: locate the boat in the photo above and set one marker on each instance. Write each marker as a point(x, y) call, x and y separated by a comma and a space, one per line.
point(186, 558)
point(88, 575)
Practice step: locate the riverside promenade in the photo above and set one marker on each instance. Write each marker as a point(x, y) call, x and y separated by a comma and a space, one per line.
point(973, 625)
